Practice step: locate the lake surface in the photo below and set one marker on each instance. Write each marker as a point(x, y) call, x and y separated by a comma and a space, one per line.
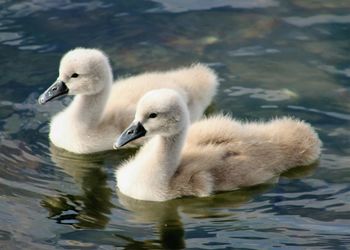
point(273, 57)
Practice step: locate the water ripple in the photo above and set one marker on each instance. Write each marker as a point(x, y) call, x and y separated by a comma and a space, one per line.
point(334, 70)
point(265, 94)
point(318, 19)
point(337, 115)
point(26, 8)
point(195, 5)
point(253, 51)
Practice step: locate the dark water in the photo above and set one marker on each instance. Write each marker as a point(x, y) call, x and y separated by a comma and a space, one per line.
point(274, 58)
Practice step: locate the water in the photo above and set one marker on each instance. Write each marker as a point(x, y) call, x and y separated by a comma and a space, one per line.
point(273, 57)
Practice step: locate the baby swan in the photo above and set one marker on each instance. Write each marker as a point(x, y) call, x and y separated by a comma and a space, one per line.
point(101, 109)
point(217, 153)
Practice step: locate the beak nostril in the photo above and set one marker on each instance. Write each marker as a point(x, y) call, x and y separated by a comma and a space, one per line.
point(41, 100)
point(131, 131)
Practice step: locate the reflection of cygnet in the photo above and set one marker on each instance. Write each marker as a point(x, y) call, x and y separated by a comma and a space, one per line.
point(88, 203)
point(101, 110)
point(150, 212)
point(217, 154)
point(80, 167)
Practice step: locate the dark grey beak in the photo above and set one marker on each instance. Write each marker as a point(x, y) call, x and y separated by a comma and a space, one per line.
point(55, 90)
point(134, 131)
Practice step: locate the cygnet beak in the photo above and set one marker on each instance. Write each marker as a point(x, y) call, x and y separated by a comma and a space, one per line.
point(134, 131)
point(55, 90)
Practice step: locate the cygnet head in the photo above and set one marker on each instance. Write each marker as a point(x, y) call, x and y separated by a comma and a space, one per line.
point(159, 112)
point(82, 72)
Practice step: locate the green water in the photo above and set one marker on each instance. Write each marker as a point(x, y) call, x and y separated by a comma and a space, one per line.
point(273, 57)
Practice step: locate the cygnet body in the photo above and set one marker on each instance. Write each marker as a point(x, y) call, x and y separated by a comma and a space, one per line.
point(101, 110)
point(216, 154)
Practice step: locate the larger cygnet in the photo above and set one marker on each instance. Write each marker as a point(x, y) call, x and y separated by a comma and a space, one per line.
point(101, 110)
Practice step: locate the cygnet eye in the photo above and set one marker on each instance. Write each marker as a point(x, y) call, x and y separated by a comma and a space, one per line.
point(152, 115)
point(74, 75)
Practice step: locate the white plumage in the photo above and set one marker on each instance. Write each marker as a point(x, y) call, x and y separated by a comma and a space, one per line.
point(101, 110)
point(217, 154)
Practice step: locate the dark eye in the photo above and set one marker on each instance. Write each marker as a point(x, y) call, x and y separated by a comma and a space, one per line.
point(75, 75)
point(152, 115)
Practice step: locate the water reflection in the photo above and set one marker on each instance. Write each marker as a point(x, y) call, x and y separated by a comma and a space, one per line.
point(90, 208)
point(168, 216)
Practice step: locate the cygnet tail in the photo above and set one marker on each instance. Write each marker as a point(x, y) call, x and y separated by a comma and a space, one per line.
point(201, 83)
point(298, 141)
point(205, 82)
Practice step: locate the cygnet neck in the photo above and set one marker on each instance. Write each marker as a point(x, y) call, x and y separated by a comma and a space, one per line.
point(161, 157)
point(87, 110)
point(169, 151)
